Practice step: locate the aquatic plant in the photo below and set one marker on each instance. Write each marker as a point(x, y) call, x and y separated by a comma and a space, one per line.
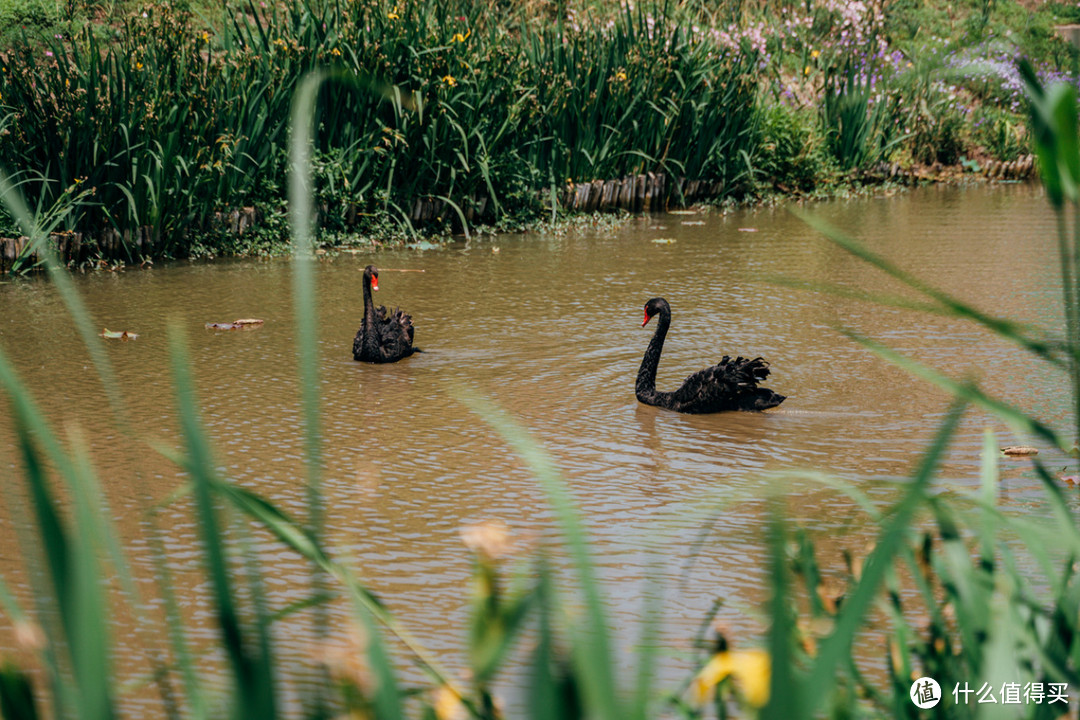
point(173, 128)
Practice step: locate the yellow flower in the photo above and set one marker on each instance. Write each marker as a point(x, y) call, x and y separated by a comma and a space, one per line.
point(449, 80)
point(448, 705)
point(205, 37)
point(620, 76)
point(814, 54)
point(138, 66)
point(392, 16)
point(336, 52)
point(750, 668)
point(490, 540)
point(806, 71)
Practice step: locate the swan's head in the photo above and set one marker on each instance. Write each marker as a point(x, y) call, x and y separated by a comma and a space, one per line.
point(371, 274)
point(654, 306)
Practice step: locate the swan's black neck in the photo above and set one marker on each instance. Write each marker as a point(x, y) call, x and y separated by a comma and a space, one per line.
point(371, 342)
point(645, 388)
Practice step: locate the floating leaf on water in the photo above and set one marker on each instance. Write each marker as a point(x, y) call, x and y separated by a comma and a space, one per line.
point(658, 227)
point(747, 229)
point(235, 324)
point(1070, 479)
point(114, 335)
point(693, 222)
point(682, 212)
point(663, 241)
point(1020, 450)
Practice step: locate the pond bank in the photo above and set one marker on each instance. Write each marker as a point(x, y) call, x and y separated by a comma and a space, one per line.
point(642, 193)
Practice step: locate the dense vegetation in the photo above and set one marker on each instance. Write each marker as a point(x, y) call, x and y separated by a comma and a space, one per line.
point(148, 124)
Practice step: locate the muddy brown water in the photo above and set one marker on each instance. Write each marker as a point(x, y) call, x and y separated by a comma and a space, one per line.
point(549, 329)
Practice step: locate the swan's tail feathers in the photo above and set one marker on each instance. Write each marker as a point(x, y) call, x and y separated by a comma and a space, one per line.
point(744, 372)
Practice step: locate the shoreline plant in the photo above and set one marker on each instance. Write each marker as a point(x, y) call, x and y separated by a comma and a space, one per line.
point(173, 126)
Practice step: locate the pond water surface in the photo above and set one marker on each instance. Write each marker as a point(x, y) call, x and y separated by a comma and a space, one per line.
point(549, 329)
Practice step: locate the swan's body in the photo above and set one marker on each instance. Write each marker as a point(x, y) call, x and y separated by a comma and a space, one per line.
point(383, 337)
point(729, 385)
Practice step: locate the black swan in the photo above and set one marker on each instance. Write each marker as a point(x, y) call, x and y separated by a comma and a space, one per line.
point(382, 337)
point(730, 385)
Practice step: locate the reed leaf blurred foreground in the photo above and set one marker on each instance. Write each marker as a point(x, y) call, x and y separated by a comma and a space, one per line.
point(942, 579)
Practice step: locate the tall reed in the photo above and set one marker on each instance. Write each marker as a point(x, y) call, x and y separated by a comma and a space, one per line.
point(169, 126)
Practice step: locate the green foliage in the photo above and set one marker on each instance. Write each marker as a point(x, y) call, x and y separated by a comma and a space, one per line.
point(1001, 134)
point(790, 151)
point(858, 118)
point(483, 106)
point(32, 17)
point(986, 620)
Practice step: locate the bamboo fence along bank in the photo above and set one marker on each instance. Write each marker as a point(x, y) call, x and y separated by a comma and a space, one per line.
point(648, 192)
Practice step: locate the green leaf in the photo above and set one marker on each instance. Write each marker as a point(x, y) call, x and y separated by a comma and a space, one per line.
point(592, 647)
point(16, 694)
point(253, 681)
point(838, 645)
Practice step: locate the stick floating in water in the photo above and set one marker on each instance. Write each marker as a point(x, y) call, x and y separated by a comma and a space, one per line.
point(1020, 450)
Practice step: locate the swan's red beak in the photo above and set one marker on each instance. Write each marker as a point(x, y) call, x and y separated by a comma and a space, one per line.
point(646, 320)
point(374, 282)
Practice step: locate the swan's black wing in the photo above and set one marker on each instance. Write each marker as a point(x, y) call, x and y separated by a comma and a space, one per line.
point(358, 344)
point(395, 333)
point(728, 385)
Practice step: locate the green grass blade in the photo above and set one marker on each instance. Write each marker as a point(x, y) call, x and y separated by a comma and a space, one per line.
point(1004, 328)
point(90, 646)
point(1020, 422)
point(16, 694)
point(254, 695)
point(297, 538)
point(593, 657)
point(838, 645)
point(785, 691)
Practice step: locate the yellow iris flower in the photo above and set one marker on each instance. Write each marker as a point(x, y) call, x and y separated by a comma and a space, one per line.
point(750, 668)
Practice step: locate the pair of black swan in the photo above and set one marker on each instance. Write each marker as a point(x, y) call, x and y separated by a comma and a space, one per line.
point(383, 337)
point(730, 385)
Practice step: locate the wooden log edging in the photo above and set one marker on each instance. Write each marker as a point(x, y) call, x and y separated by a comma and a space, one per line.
point(75, 247)
point(1020, 169)
point(648, 192)
point(643, 192)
